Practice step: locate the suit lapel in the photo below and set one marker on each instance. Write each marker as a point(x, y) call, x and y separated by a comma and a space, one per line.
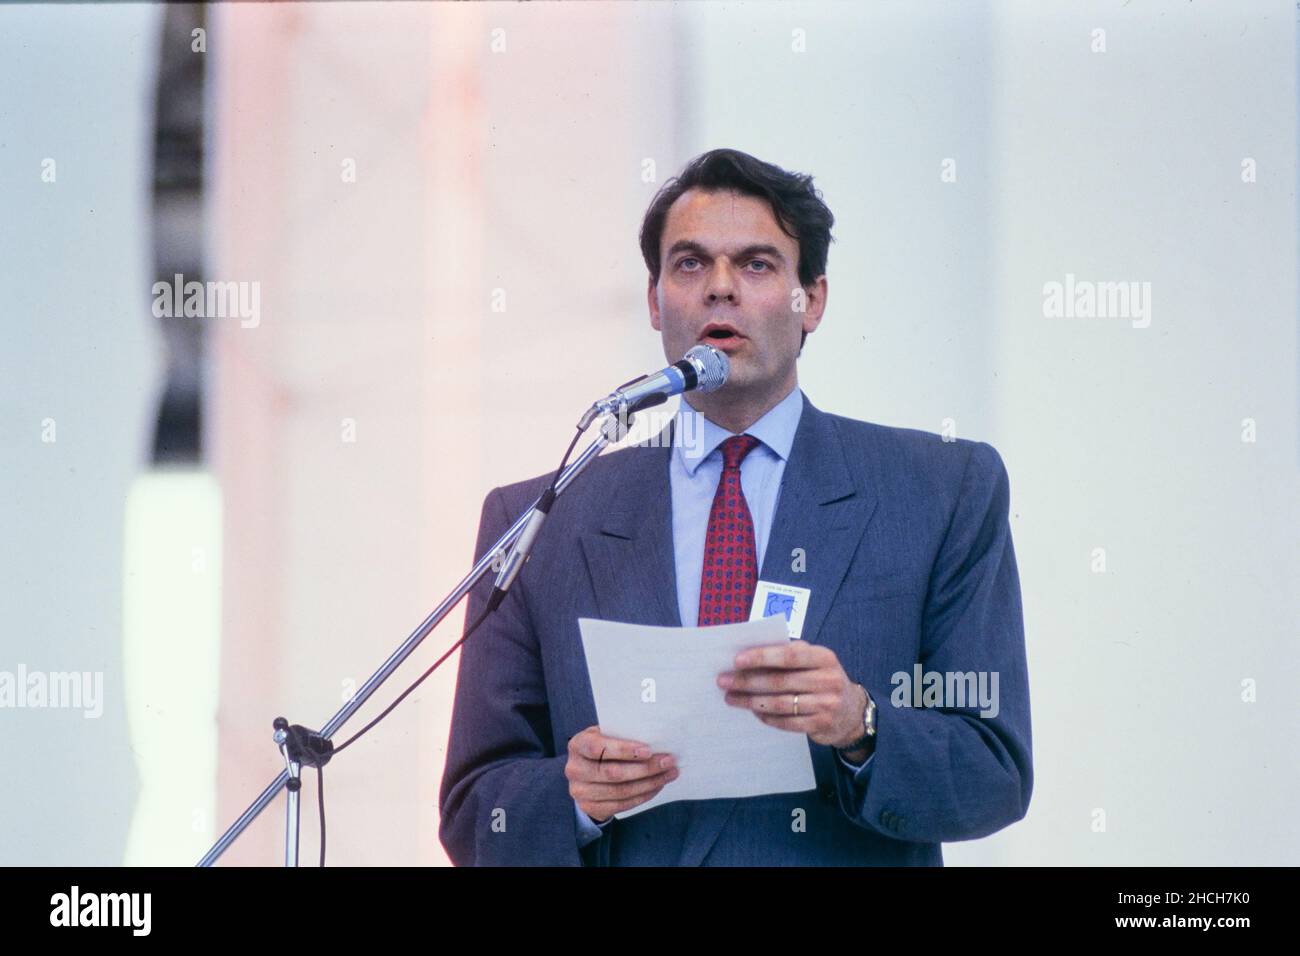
point(822, 513)
point(820, 518)
point(630, 556)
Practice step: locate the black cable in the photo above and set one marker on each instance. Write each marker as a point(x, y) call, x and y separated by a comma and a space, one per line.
point(418, 682)
point(472, 628)
point(320, 795)
point(491, 606)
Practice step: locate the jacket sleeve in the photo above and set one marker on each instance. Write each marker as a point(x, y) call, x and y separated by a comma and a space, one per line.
point(948, 773)
point(504, 799)
point(589, 831)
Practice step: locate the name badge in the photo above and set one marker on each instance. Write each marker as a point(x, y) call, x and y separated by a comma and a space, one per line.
point(771, 599)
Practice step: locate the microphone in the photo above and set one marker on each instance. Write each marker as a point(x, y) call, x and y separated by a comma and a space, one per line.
point(703, 368)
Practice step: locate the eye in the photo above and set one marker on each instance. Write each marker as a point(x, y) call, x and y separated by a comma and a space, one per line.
point(767, 266)
point(683, 261)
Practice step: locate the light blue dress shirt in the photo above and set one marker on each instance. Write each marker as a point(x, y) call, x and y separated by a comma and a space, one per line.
point(694, 471)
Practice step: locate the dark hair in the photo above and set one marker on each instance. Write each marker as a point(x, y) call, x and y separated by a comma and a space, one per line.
point(796, 204)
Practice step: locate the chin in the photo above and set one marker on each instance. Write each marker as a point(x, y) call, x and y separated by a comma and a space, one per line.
point(737, 381)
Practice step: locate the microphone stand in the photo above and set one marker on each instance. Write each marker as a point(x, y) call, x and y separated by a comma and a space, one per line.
point(303, 747)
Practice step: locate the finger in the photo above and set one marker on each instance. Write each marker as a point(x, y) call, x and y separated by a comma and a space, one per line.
point(596, 746)
point(782, 704)
point(613, 792)
point(800, 724)
point(603, 811)
point(777, 681)
point(792, 654)
point(617, 771)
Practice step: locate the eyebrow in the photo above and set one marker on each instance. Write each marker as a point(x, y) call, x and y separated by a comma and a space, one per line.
point(756, 249)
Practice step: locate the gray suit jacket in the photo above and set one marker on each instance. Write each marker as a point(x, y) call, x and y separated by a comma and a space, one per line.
point(908, 555)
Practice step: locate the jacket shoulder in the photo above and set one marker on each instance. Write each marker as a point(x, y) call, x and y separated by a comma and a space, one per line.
point(915, 455)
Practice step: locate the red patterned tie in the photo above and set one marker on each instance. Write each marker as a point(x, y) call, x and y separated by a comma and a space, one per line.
point(730, 557)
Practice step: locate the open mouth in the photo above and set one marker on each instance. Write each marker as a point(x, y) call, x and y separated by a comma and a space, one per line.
point(720, 333)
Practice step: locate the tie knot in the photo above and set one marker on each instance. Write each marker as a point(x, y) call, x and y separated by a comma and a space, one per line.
point(735, 448)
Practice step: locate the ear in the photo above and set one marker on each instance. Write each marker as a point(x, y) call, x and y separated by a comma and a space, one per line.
point(815, 300)
point(652, 300)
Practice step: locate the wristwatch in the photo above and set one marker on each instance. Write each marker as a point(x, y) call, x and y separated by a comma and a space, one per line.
point(868, 726)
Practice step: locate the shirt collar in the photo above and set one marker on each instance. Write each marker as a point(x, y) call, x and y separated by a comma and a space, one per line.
point(697, 438)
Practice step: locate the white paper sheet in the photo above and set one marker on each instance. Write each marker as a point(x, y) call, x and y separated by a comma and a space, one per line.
point(658, 685)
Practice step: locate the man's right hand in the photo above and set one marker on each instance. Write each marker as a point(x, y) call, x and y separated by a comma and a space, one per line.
point(608, 775)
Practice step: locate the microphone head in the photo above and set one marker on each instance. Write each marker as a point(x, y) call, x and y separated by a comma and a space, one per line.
point(711, 367)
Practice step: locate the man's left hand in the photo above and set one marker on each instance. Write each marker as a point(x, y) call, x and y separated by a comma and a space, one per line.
point(767, 679)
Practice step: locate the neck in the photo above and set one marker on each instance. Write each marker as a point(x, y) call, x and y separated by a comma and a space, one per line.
point(736, 411)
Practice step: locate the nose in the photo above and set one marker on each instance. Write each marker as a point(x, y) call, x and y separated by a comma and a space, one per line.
point(721, 284)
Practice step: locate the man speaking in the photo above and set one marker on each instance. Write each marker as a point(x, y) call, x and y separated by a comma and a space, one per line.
point(897, 540)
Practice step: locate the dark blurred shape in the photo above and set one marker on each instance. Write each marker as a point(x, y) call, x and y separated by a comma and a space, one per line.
point(178, 227)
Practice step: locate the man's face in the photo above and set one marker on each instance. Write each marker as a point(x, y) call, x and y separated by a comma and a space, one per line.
point(724, 261)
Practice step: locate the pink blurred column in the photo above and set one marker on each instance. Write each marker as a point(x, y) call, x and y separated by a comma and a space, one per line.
point(498, 153)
